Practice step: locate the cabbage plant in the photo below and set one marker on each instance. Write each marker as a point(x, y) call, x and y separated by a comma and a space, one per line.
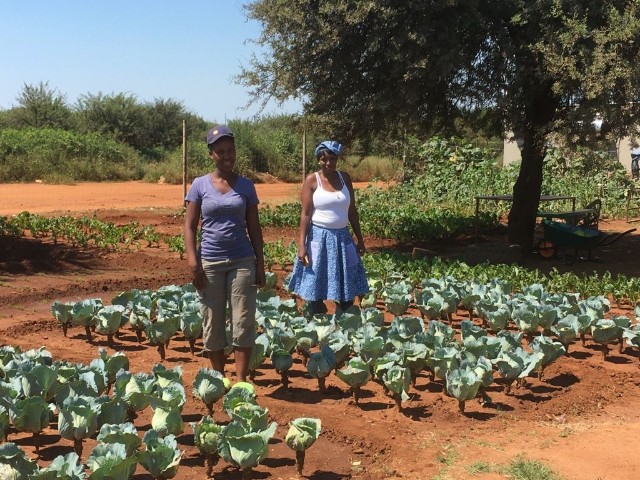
point(237, 395)
point(112, 410)
point(38, 380)
point(124, 433)
point(206, 436)
point(463, 383)
point(605, 331)
point(108, 320)
point(383, 363)
point(67, 467)
point(110, 365)
point(341, 346)
point(258, 354)
point(14, 463)
point(397, 297)
point(356, 374)
point(208, 386)
point(160, 332)
point(109, 461)
point(282, 361)
point(62, 312)
point(632, 335)
point(161, 456)
point(78, 419)
point(414, 356)
point(245, 449)
point(397, 380)
point(134, 389)
point(516, 364)
point(303, 432)
point(430, 303)
point(251, 416)
point(167, 403)
point(566, 329)
point(84, 314)
point(550, 351)
point(191, 326)
point(142, 305)
point(320, 365)
point(31, 414)
point(4, 424)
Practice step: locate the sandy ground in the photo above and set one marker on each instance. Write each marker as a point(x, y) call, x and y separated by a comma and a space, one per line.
point(40, 198)
point(61, 199)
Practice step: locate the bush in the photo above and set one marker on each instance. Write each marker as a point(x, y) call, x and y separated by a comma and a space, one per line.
point(30, 154)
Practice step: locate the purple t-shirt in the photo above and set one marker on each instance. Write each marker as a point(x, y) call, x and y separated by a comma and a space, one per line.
point(224, 225)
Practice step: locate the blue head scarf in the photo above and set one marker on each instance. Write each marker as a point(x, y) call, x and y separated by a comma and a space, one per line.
point(331, 145)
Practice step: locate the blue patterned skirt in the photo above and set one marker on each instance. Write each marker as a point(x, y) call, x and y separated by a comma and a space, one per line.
point(335, 272)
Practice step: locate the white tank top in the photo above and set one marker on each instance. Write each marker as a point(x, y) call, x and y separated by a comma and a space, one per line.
point(330, 209)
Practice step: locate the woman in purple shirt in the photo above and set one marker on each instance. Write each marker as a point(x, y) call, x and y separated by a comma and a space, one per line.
point(228, 266)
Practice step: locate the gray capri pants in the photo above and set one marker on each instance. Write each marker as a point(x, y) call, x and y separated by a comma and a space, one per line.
point(231, 280)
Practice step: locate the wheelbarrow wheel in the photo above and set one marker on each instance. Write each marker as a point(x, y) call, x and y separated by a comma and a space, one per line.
point(546, 248)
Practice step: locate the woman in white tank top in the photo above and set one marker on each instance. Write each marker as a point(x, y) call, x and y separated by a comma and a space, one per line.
point(328, 264)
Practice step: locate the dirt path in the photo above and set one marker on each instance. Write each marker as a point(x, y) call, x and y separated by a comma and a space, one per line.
point(42, 198)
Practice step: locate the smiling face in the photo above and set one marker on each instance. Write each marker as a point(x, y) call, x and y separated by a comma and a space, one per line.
point(223, 153)
point(328, 161)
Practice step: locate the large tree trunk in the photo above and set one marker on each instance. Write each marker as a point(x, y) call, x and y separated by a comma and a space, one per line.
point(539, 112)
point(526, 197)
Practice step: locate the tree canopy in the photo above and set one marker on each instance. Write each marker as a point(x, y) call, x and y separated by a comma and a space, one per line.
point(534, 67)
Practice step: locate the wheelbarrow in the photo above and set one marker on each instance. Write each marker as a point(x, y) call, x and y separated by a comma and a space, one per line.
point(561, 239)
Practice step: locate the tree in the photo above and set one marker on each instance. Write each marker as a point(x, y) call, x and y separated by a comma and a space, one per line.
point(41, 106)
point(537, 66)
point(119, 116)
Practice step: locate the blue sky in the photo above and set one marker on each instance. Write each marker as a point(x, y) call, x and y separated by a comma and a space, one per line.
point(189, 51)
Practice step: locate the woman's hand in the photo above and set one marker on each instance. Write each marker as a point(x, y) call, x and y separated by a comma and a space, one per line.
point(302, 255)
point(360, 247)
point(199, 277)
point(260, 276)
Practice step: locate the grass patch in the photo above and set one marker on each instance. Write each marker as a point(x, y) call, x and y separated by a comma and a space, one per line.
point(447, 456)
point(480, 467)
point(523, 469)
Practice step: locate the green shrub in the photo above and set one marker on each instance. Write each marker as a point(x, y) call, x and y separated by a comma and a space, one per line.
point(30, 154)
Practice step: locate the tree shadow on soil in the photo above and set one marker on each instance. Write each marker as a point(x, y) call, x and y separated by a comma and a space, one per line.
point(28, 256)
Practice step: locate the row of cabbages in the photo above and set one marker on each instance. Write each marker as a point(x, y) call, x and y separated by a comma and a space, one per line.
point(565, 315)
point(361, 346)
point(100, 400)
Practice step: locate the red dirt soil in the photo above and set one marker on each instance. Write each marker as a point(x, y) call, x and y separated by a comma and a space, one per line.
point(583, 420)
